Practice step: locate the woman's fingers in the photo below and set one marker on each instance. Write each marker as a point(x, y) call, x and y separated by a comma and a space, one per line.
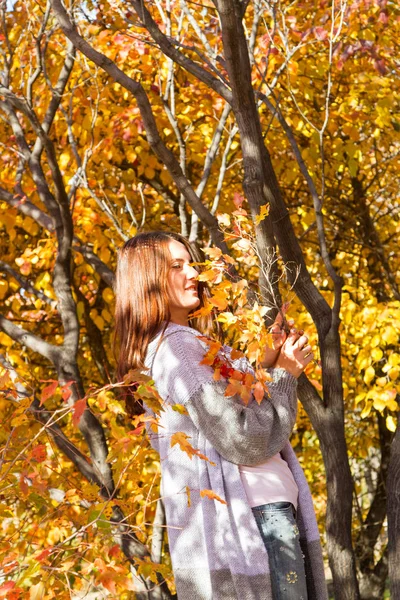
point(306, 349)
point(302, 341)
point(307, 359)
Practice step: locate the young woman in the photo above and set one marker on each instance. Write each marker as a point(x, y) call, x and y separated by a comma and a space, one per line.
point(253, 534)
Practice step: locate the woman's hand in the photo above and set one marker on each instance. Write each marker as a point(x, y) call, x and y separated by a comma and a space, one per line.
point(295, 353)
point(279, 332)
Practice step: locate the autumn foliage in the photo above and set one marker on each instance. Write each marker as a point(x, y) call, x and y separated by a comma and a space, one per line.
point(144, 128)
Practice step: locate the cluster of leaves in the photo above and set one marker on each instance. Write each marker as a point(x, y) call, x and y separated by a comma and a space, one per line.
point(58, 534)
point(332, 76)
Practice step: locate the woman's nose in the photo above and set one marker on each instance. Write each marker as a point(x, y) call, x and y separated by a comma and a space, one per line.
point(191, 272)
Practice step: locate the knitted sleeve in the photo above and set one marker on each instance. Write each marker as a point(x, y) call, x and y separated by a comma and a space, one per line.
point(241, 434)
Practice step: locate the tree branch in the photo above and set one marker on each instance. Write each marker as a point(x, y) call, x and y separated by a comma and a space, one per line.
point(57, 92)
point(26, 285)
point(153, 137)
point(65, 445)
point(169, 50)
point(26, 338)
point(28, 209)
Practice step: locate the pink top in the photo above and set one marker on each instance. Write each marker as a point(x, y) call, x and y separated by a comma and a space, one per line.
point(271, 481)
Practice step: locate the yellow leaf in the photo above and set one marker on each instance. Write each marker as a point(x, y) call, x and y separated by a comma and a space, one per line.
point(149, 173)
point(210, 275)
point(264, 212)
point(220, 301)
point(390, 335)
point(5, 340)
point(181, 439)
point(213, 253)
point(99, 321)
point(64, 160)
point(17, 421)
point(108, 295)
point(224, 219)
point(179, 408)
point(3, 288)
point(394, 359)
point(390, 423)
point(366, 410)
point(375, 341)
point(369, 375)
point(228, 318)
point(188, 495)
point(376, 354)
point(37, 591)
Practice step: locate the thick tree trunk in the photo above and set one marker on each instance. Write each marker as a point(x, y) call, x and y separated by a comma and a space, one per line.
point(393, 515)
point(373, 574)
point(328, 425)
point(261, 186)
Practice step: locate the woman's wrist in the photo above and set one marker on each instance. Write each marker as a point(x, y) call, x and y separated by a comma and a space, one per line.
point(270, 357)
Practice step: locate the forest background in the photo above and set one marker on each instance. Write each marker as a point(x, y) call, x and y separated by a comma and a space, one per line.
point(268, 133)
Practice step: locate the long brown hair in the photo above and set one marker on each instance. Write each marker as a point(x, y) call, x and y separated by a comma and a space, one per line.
point(142, 308)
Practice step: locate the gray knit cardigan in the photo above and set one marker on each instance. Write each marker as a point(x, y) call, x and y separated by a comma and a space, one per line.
point(216, 549)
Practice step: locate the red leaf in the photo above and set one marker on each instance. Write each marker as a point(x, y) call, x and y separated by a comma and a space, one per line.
point(48, 391)
point(226, 371)
point(114, 551)
point(43, 555)
point(137, 431)
point(66, 390)
point(4, 379)
point(380, 66)
point(23, 485)
point(258, 391)
point(79, 409)
point(39, 453)
point(238, 199)
point(5, 588)
point(320, 33)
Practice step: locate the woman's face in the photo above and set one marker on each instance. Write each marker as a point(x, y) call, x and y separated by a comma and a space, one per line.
point(182, 284)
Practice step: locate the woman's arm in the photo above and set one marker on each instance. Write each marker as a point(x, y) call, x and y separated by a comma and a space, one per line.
point(241, 434)
point(246, 434)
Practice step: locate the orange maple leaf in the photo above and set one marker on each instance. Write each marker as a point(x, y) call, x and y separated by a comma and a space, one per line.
point(211, 495)
point(181, 439)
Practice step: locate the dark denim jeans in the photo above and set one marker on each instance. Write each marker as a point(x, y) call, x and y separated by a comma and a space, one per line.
point(278, 528)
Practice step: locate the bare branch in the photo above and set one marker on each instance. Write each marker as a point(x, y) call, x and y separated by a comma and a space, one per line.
point(337, 280)
point(39, 66)
point(223, 168)
point(210, 157)
point(158, 532)
point(26, 338)
point(57, 92)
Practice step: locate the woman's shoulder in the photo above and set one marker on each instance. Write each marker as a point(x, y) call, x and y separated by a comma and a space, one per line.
point(176, 354)
point(173, 335)
point(175, 330)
